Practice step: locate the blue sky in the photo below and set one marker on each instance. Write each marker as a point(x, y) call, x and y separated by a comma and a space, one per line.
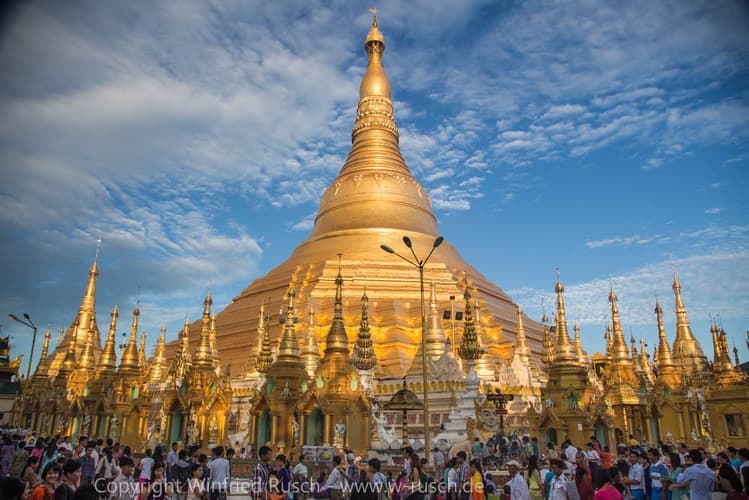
point(608, 140)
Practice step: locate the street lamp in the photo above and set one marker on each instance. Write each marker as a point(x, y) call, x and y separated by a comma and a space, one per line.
point(419, 264)
point(30, 324)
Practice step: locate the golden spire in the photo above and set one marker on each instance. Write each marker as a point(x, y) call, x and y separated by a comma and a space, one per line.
point(182, 359)
point(157, 370)
point(619, 350)
point(644, 361)
point(364, 355)
point(288, 349)
point(86, 361)
point(142, 351)
point(564, 351)
point(548, 357)
point(311, 351)
point(42, 368)
point(337, 339)
point(688, 354)
point(202, 356)
point(470, 349)
point(635, 356)
point(521, 345)
point(250, 367)
point(375, 179)
point(667, 370)
point(87, 309)
point(609, 337)
point(264, 359)
point(108, 358)
point(578, 344)
point(69, 362)
point(725, 373)
point(212, 337)
point(435, 334)
point(129, 362)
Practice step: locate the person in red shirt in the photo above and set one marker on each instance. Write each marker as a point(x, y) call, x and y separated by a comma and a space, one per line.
point(609, 491)
point(584, 483)
point(606, 466)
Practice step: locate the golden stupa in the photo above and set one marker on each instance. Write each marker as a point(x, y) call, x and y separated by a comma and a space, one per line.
point(374, 200)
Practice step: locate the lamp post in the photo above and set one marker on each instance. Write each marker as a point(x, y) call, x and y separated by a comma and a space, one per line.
point(500, 401)
point(419, 264)
point(29, 324)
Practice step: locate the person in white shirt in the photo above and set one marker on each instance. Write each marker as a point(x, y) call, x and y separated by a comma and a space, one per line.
point(571, 452)
point(517, 484)
point(335, 483)
point(220, 477)
point(560, 487)
point(173, 456)
point(146, 464)
point(124, 487)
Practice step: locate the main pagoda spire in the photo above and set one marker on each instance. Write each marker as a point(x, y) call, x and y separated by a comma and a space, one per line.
point(564, 352)
point(375, 188)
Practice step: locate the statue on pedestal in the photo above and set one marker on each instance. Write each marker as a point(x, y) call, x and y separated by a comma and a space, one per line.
point(339, 432)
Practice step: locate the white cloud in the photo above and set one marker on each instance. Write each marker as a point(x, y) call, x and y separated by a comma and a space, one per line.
point(713, 211)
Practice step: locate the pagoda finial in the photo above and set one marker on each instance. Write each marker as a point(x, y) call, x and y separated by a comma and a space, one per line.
point(264, 358)
point(142, 351)
point(664, 349)
point(288, 349)
point(435, 334)
point(212, 337)
point(158, 368)
point(579, 352)
point(337, 338)
point(564, 351)
point(108, 359)
point(311, 351)
point(470, 349)
point(688, 354)
point(364, 355)
point(202, 356)
point(619, 349)
point(42, 368)
point(86, 361)
point(521, 344)
point(129, 363)
point(182, 359)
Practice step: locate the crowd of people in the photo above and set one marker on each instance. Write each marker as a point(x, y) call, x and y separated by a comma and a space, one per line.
point(39, 468)
point(53, 468)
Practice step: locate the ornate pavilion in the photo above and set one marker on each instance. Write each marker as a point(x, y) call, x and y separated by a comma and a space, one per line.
point(348, 337)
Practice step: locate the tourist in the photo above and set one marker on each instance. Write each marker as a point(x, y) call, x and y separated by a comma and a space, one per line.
point(7, 453)
point(584, 483)
point(261, 474)
point(673, 473)
point(551, 451)
point(181, 474)
point(172, 457)
point(106, 470)
point(300, 475)
point(335, 482)
point(46, 490)
point(535, 481)
point(593, 460)
point(476, 480)
point(439, 459)
point(517, 484)
point(87, 491)
point(352, 468)
point(124, 486)
point(744, 469)
point(71, 479)
point(606, 464)
point(407, 452)
point(609, 490)
point(219, 475)
point(284, 473)
point(158, 455)
point(146, 464)
point(697, 476)
point(88, 464)
point(560, 488)
point(317, 487)
point(729, 481)
point(18, 461)
point(29, 473)
point(733, 457)
point(570, 451)
point(536, 448)
point(636, 477)
point(157, 487)
point(378, 479)
point(657, 472)
point(195, 487)
point(463, 477)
